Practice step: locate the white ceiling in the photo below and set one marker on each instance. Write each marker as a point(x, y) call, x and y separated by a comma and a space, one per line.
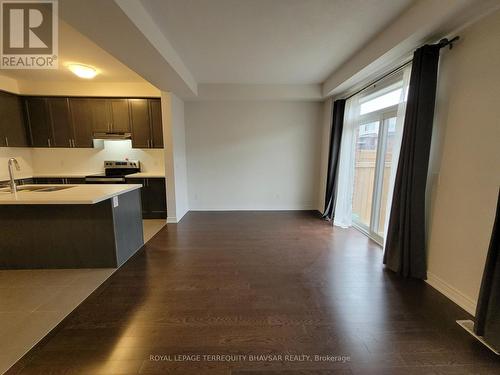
point(269, 41)
point(76, 48)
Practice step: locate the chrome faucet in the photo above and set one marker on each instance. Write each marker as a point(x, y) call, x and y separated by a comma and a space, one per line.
point(13, 186)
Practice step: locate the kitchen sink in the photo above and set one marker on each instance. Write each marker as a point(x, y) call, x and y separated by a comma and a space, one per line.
point(38, 189)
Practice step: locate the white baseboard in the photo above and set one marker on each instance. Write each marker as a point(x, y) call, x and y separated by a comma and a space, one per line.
point(171, 220)
point(215, 209)
point(465, 302)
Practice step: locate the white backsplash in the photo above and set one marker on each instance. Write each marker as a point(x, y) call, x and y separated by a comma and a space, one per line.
point(23, 156)
point(57, 161)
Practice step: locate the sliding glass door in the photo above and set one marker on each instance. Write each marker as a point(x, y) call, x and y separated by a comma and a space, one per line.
point(369, 151)
point(373, 146)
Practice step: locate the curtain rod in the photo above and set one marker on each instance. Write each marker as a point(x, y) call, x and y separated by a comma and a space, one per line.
point(442, 43)
point(393, 71)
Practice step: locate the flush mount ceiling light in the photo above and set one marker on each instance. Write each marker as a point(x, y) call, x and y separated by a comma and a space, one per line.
point(83, 71)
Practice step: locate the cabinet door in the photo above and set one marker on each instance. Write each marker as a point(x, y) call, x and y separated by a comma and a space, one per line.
point(12, 125)
point(101, 117)
point(48, 180)
point(139, 114)
point(81, 119)
point(25, 181)
point(60, 121)
point(156, 123)
point(38, 120)
point(157, 198)
point(120, 115)
point(75, 181)
point(144, 198)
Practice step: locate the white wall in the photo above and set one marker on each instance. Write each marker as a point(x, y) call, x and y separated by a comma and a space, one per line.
point(87, 88)
point(175, 156)
point(9, 84)
point(465, 168)
point(180, 162)
point(90, 160)
point(24, 158)
point(253, 155)
point(60, 161)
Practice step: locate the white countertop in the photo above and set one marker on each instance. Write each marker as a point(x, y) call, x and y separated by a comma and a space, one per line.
point(65, 175)
point(146, 175)
point(75, 194)
point(83, 175)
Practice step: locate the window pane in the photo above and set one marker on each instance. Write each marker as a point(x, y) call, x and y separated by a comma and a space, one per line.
point(366, 142)
point(386, 173)
point(383, 101)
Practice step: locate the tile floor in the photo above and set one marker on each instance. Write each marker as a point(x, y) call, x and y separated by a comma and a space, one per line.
point(32, 302)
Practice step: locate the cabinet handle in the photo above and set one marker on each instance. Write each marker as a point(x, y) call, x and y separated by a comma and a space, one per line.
point(73, 141)
point(48, 141)
point(69, 141)
point(6, 142)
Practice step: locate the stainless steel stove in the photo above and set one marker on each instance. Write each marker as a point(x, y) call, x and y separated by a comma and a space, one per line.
point(115, 172)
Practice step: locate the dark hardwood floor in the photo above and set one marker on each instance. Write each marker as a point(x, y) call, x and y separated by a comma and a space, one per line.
point(260, 283)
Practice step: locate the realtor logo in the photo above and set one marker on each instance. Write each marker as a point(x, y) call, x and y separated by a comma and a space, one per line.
point(29, 37)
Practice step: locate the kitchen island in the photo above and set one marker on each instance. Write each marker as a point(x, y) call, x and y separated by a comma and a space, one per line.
point(70, 226)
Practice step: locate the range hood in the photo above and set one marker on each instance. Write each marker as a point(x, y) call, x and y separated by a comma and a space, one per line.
point(112, 136)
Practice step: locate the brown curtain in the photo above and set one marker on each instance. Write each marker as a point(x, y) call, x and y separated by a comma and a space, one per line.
point(488, 308)
point(405, 244)
point(333, 157)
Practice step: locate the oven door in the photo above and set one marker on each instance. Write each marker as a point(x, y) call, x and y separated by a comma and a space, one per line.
point(104, 180)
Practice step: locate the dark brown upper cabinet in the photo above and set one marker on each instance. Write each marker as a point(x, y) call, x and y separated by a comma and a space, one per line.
point(101, 119)
point(13, 132)
point(71, 121)
point(156, 123)
point(39, 122)
point(110, 115)
point(120, 116)
point(141, 128)
point(81, 120)
point(60, 122)
point(147, 128)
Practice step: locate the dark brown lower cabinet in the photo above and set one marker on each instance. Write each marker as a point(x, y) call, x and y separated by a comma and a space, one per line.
point(49, 180)
point(25, 181)
point(153, 196)
point(59, 180)
point(75, 181)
